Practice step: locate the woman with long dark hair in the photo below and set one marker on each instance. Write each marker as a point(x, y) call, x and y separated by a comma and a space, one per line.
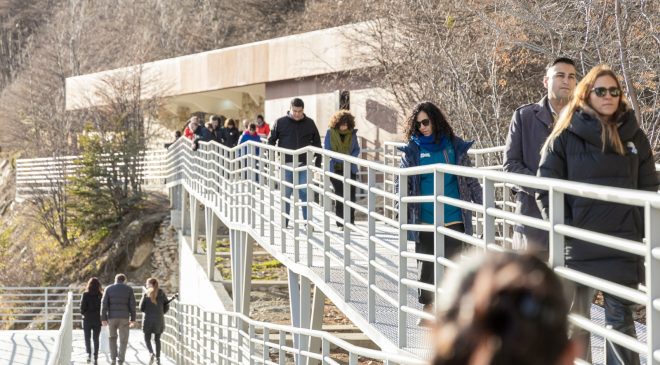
point(154, 305)
point(90, 308)
point(431, 140)
point(597, 140)
point(502, 309)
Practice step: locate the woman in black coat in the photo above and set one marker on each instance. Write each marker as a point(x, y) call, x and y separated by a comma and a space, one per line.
point(154, 304)
point(229, 135)
point(90, 308)
point(597, 140)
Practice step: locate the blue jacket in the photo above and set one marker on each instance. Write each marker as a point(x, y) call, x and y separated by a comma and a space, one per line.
point(468, 187)
point(246, 136)
point(355, 151)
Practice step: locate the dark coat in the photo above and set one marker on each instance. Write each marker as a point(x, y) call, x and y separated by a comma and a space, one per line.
point(229, 136)
point(295, 134)
point(530, 126)
point(201, 134)
point(355, 151)
point(469, 188)
point(90, 308)
point(154, 314)
point(577, 155)
point(118, 302)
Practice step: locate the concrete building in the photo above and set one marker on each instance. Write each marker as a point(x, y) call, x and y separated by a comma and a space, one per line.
point(261, 78)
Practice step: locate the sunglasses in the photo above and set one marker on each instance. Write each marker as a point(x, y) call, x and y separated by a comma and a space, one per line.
point(602, 91)
point(424, 123)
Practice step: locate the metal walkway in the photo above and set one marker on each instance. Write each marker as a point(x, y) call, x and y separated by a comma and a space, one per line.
point(33, 347)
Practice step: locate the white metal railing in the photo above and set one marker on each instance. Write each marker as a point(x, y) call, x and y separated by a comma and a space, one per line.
point(41, 175)
point(241, 189)
point(197, 336)
point(62, 349)
point(41, 307)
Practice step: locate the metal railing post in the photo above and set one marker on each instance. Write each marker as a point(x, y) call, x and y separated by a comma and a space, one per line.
point(438, 238)
point(556, 202)
point(652, 234)
point(402, 317)
point(489, 220)
point(327, 208)
point(46, 309)
point(371, 250)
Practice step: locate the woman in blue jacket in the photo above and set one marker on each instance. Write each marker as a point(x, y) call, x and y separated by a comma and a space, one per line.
point(431, 140)
point(342, 137)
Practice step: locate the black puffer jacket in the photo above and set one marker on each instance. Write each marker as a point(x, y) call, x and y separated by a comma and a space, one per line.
point(295, 134)
point(90, 308)
point(577, 155)
point(229, 136)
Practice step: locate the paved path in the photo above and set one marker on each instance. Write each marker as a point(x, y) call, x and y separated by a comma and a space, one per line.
point(34, 348)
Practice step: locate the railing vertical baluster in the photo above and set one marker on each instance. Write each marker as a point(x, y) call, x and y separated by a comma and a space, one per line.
point(294, 208)
point(371, 245)
point(652, 234)
point(438, 238)
point(46, 309)
point(327, 208)
point(489, 220)
point(556, 201)
point(347, 234)
point(402, 317)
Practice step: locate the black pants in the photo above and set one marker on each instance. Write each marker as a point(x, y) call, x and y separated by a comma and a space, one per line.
point(88, 330)
point(338, 186)
point(425, 270)
point(147, 341)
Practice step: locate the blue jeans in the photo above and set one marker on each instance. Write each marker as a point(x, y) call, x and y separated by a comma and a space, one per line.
point(302, 193)
point(618, 314)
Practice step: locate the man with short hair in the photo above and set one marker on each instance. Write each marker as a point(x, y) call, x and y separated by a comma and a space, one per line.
point(293, 131)
point(118, 312)
point(530, 127)
point(263, 129)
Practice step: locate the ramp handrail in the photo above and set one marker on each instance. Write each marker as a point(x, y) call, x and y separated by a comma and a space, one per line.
point(63, 341)
point(238, 185)
point(194, 335)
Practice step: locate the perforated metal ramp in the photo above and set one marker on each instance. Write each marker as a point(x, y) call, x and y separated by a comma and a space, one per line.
point(384, 330)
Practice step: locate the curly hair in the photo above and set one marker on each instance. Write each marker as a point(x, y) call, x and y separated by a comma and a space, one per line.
point(342, 116)
point(436, 116)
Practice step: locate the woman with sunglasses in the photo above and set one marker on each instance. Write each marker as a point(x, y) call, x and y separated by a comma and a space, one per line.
point(431, 140)
point(597, 140)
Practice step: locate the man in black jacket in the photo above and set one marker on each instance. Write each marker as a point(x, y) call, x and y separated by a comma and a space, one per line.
point(530, 127)
point(293, 131)
point(118, 312)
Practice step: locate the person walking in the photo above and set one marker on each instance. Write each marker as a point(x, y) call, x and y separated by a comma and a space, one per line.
point(118, 313)
point(597, 140)
point(216, 127)
point(229, 135)
point(431, 140)
point(342, 137)
point(90, 309)
point(530, 127)
point(293, 131)
point(263, 129)
point(502, 308)
point(250, 134)
point(154, 304)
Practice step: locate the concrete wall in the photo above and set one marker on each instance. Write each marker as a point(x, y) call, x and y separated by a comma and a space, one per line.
point(374, 108)
point(194, 285)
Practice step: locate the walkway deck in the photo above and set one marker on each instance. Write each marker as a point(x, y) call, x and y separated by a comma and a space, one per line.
point(34, 348)
point(356, 307)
